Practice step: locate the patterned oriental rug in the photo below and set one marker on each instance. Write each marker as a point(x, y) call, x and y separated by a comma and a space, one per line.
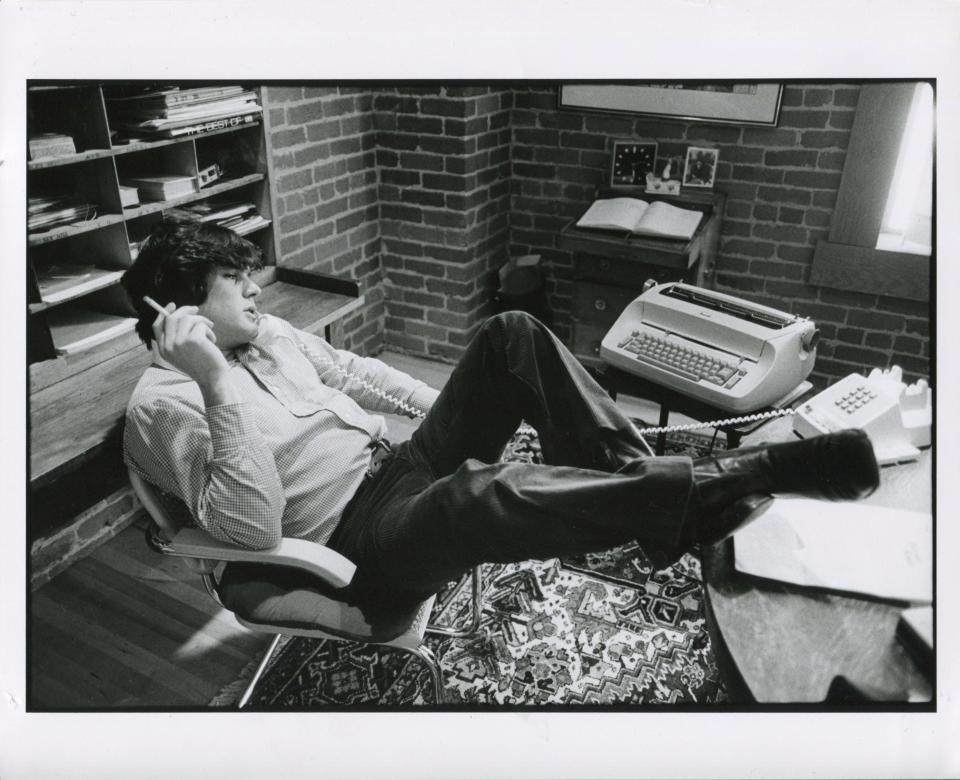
point(601, 629)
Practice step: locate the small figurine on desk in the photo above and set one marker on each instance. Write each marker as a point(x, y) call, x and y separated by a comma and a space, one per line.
point(663, 184)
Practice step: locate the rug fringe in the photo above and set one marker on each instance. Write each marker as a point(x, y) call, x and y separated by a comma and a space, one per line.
point(230, 694)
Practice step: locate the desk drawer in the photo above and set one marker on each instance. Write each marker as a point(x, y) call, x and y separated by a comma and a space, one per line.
point(600, 304)
point(585, 343)
point(628, 273)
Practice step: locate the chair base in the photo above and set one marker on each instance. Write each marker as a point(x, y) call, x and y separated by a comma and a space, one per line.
point(419, 650)
point(470, 627)
point(260, 669)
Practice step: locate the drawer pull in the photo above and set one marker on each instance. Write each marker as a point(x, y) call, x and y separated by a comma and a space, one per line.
point(600, 304)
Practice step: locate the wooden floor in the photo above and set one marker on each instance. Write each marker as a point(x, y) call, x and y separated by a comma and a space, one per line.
point(127, 628)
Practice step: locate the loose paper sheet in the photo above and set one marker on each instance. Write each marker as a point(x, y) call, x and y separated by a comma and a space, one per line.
point(842, 546)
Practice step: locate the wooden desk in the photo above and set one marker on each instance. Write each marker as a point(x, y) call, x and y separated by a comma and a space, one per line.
point(781, 643)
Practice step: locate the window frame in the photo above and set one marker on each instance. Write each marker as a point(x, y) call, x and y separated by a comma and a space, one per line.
point(848, 259)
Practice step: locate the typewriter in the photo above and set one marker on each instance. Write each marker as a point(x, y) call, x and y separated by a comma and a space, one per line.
point(722, 350)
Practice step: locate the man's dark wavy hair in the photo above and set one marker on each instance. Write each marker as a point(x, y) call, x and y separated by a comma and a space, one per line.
point(174, 265)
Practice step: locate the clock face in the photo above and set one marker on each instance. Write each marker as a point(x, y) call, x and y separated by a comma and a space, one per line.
point(632, 162)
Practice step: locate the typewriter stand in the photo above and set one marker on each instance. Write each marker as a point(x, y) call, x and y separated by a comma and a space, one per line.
point(615, 380)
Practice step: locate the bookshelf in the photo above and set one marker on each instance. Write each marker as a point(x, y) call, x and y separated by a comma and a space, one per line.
point(78, 315)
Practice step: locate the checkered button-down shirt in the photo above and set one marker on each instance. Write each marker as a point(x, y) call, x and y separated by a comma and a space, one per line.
point(286, 459)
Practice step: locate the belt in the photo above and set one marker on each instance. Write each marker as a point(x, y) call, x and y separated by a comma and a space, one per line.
point(381, 451)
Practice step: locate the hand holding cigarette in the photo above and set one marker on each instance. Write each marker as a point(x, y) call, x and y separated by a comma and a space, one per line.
point(186, 340)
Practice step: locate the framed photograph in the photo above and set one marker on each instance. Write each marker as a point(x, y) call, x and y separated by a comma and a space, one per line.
point(716, 103)
point(700, 168)
point(632, 160)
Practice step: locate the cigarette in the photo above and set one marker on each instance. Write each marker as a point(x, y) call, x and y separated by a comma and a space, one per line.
point(154, 305)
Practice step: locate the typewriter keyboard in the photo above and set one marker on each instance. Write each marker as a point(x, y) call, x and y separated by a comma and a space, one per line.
point(680, 360)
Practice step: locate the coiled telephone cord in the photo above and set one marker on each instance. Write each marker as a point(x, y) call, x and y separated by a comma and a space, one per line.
point(718, 423)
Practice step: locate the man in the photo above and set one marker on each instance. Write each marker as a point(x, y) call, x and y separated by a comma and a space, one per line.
point(261, 430)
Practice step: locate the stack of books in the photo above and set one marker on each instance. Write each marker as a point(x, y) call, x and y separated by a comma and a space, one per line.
point(241, 218)
point(175, 112)
point(161, 187)
point(44, 145)
point(44, 213)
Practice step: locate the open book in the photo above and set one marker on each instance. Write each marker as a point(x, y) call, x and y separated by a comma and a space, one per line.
point(641, 218)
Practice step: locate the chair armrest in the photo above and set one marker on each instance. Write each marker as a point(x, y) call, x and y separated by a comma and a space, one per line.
point(308, 556)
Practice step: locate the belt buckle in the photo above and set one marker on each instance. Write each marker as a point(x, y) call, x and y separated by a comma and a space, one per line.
point(381, 448)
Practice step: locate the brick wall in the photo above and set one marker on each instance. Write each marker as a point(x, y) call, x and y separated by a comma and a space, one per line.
point(325, 195)
point(421, 193)
point(781, 185)
point(444, 160)
point(405, 190)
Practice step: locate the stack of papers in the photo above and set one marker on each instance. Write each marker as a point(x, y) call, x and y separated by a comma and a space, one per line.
point(846, 546)
point(44, 213)
point(241, 218)
point(173, 111)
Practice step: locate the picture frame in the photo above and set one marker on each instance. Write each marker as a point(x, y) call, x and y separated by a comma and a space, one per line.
point(700, 167)
point(631, 160)
point(756, 103)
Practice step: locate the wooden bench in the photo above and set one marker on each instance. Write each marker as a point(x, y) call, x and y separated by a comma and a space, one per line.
point(78, 418)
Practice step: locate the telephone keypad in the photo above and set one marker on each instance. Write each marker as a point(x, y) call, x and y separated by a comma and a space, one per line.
point(853, 400)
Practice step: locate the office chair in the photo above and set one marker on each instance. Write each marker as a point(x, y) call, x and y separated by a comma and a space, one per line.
point(290, 589)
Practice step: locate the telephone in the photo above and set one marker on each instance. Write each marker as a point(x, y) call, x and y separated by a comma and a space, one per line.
point(895, 416)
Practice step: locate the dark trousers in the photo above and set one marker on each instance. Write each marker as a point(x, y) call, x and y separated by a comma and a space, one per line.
point(443, 503)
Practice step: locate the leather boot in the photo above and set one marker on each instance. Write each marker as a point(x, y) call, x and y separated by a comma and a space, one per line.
point(734, 487)
point(837, 466)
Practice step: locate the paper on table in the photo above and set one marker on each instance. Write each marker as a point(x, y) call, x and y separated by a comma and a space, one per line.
point(841, 546)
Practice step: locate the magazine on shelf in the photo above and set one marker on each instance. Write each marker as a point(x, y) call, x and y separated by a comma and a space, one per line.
point(206, 127)
point(241, 218)
point(249, 224)
point(638, 217)
point(61, 281)
point(159, 124)
point(186, 110)
point(44, 213)
point(204, 211)
point(173, 96)
point(75, 330)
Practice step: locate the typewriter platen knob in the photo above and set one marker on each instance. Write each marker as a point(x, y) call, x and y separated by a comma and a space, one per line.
point(809, 341)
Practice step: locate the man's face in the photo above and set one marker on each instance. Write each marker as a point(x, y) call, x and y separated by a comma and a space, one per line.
point(230, 306)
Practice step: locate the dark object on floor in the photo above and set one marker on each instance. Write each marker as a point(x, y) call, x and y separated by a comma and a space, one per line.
point(521, 288)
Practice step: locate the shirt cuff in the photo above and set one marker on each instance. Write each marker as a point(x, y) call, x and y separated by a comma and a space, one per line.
point(423, 398)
